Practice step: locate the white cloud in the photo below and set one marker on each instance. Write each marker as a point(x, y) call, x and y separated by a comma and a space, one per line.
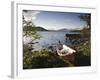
point(30, 15)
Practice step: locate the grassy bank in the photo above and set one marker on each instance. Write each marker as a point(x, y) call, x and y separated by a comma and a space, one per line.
point(42, 59)
point(47, 59)
point(83, 56)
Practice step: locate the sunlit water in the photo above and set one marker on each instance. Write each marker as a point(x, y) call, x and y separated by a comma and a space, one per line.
point(50, 39)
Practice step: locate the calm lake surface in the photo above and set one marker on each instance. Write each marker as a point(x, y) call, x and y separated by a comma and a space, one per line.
point(50, 39)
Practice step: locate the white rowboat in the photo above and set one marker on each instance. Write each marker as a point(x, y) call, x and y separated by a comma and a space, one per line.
point(65, 51)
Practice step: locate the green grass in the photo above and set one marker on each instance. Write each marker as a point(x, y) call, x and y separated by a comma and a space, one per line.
point(47, 59)
point(83, 56)
point(42, 59)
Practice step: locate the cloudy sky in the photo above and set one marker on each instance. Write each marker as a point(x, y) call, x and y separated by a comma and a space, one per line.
point(55, 20)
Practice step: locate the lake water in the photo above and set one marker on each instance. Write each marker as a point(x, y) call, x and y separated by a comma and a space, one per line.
point(50, 39)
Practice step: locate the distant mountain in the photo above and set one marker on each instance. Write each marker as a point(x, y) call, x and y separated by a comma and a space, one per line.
point(76, 30)
point(38, 28)
point(63, 30)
